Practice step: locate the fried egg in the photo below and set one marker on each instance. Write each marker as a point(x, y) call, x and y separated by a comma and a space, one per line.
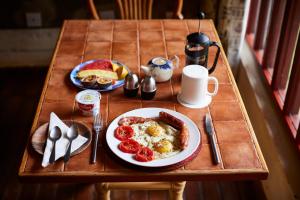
point(158, 136)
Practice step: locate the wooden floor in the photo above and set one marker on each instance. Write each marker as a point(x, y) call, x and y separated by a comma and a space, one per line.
point(19, 93)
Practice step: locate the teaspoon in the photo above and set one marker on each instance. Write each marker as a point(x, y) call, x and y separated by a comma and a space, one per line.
point(71, 135)
point(54, 135)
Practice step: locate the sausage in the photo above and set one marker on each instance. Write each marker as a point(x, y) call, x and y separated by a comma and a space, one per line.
point(131, 120)
point(179, 124)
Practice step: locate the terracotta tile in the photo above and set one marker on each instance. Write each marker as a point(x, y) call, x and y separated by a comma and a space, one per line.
point(239, 155)
point(115, 109)
point(178, 71)
point(171, 35)
point(128, 25)
point(118, 95)
point(193, 25)
point(96, 56)
point(104, 97)
point(232, 131)
point(176, 85)
point(174, 25)
point(124, 48)
point(195, 114)
point(204, 135)
point(34, 163)
point(222, 75)
point(131, 61)
point(150, 25)
point(175, 48)
point(113, 164)
point(98, 48)
point(67, 62)
point(212, 50)
point(177, 75)
point(83, 160)
point(77, 25)
point(74, 35)
point(204, 160)
point(225, 92)
point(221, 61)
point(156, 36)
point(62, 109)
point(164, 91)
point(100, 25)
point(120, 36)
point(99, 36)
point(74, 48)
point(211, 57)
point(59, 93)
point(226, 111)
point(88, 120)
point(60, 77)
point(72, 29)
point(158, 104)
point(152, 48)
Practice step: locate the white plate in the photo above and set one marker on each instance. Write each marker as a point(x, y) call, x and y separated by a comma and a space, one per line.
point(193, 143)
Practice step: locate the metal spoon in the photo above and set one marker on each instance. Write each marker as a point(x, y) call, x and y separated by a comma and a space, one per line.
point(54, 135)
point(71, 135)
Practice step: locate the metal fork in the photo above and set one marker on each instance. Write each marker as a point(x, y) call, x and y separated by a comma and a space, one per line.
point(97, 125)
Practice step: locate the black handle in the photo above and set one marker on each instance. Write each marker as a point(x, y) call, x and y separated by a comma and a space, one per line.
point(217, 159)
point(212, 68)
point(52, 155)
point(67, 156)
point(94, 153)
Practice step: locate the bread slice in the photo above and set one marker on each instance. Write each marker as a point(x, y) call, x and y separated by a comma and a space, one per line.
point(98, 73)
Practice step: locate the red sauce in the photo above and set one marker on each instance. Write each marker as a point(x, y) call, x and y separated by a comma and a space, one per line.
point(98, 64)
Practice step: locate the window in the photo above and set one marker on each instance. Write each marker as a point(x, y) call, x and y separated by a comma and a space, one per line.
point(273, 35)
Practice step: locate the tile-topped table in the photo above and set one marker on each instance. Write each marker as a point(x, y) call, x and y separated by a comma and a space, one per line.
point(134, 43)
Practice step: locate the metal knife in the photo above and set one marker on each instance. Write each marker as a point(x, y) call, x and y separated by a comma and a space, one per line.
point(210, 131)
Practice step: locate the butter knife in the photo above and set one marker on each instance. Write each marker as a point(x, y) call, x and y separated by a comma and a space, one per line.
point(210, 131)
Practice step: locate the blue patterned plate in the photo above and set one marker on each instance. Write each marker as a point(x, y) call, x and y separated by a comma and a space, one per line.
point(77, 83)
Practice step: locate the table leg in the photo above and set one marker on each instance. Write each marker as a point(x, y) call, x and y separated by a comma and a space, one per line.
point(103, 191)
point(176, 191)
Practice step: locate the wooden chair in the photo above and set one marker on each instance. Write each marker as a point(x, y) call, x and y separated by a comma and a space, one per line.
point(136, 9)
point(175, 188)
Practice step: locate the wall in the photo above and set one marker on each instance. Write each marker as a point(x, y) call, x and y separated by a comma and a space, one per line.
point(53, 12)
point(278, 148)
point(27, 47)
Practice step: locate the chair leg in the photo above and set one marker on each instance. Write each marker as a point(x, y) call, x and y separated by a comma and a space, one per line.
point(176, 191)
point(103, 191)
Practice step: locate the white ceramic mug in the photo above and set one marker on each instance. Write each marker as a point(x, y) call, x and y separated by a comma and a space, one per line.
point(194, 83)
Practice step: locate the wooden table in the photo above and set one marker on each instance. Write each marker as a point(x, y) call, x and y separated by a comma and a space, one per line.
point(134, 43)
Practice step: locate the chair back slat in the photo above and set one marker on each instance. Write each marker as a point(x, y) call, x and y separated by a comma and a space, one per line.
point(135, 9)
point(150, 3)
point(140, 10)
point(130, 9)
